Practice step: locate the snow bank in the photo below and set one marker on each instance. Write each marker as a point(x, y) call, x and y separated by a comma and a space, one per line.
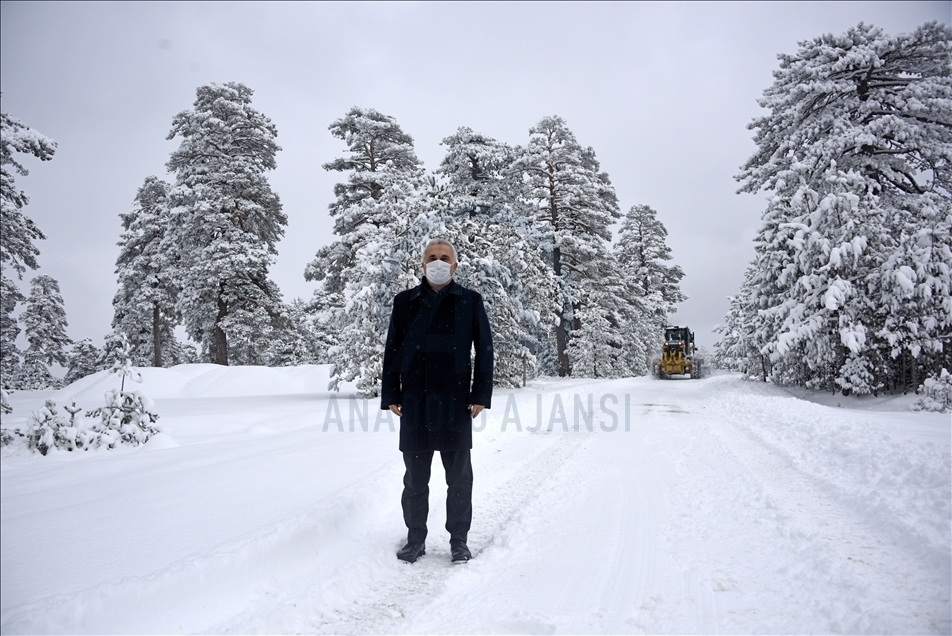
point(867, 461)
point(204, 380)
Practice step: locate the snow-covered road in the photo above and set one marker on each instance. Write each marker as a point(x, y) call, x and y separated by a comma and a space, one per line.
point(681, 506)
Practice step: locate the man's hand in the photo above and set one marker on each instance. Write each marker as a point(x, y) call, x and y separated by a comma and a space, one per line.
point(474, 409)
point(396, 410)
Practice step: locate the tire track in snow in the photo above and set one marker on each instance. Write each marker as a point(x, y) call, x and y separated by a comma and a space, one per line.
point(865, 467)
point(580, 557)
point(413, 586)
point(371, 591)
point(826, 566)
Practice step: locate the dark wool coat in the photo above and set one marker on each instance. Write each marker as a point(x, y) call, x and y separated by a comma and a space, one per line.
point(427, 368)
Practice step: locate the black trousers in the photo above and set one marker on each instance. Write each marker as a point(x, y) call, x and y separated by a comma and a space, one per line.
point(459, 493)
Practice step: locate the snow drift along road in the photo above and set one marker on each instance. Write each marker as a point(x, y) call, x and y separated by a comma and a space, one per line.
point(600, 506)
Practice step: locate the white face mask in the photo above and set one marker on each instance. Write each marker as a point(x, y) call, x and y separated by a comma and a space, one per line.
point(438, 272)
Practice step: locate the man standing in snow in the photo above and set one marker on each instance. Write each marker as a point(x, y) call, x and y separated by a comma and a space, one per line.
point(430, 383)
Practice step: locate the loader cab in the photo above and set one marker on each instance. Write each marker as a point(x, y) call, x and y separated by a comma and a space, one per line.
point(679, 339)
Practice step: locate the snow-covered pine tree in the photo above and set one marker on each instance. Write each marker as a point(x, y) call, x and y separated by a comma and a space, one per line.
point(386, 264)
point(323, 310)
point(9, 330)
point(479, 168)
point(83, 361)
point(44, 322)
point(17, 250)
point(653, 286)
point(128, 417)
point(857, 150)
point(378, 154)
point(17, 232)
point(497, 256)
point(145, 303)
point(742, 334)
point(573, 207)
point(42, 428)
point(913, 288)
point(937, 393)
point(47, 429)
point(113, 343)
point(226, 221)
point(297, 341)
point(381, 218)
point(642, 248)
point(870, 83)
point(599, 346)
point(496, 261)
point(823, 320)
point(730, 352)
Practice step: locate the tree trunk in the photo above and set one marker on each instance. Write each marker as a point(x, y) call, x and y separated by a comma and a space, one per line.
point(915, 375)
point(561, 333)
point(219, 339)
point(561, 346)
point(156, 337)
point(902, 371)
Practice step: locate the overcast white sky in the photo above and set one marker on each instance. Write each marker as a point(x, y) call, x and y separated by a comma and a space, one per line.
point(663, 92)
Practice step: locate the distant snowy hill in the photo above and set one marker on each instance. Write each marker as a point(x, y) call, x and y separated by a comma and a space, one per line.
point(206, 380)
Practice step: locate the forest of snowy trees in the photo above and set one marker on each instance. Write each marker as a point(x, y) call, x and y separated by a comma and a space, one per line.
point(532, 224)
point(44, 317)
point(851, 285)
point(850, 288)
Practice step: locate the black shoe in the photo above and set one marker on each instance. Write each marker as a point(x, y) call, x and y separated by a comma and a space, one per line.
point(460, 552)
point(411, 552)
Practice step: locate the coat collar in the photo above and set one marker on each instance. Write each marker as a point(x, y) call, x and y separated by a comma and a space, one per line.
point(421, 289)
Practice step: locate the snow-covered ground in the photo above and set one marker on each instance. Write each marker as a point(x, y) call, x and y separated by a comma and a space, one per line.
point(717, 505)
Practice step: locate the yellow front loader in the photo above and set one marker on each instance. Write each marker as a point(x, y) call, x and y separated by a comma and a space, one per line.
point(677, 355)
